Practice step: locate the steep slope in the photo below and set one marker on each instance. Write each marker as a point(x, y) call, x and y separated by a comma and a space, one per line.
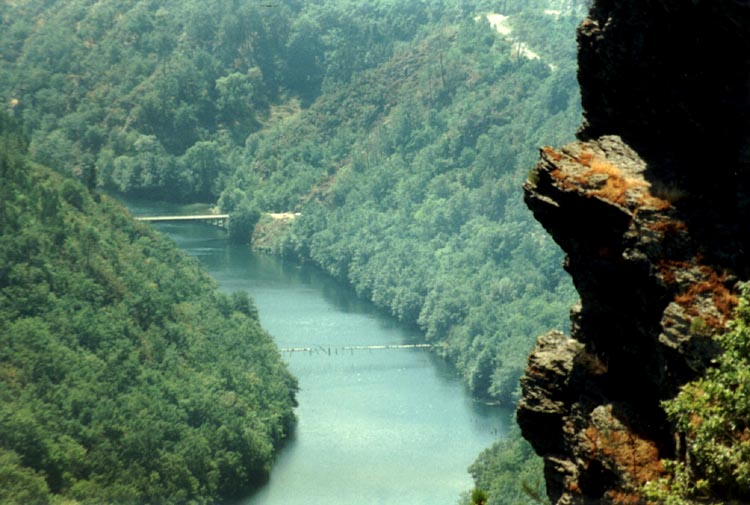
point(401, 130)
point(651, 208)
point(155, 98)
point(125, 376)
point(405, 183)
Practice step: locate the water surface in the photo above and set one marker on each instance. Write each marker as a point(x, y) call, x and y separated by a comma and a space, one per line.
point(389, 427)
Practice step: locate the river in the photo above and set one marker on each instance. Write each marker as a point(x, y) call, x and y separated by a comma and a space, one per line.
point(388, 427)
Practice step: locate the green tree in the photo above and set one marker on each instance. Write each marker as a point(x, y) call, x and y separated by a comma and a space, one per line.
point(235, 96)
point(305, 53)
point(713, 415)
point(21, 485)
point(242, 223)
point(205, 165)
point(478, 497)
point(125, 376)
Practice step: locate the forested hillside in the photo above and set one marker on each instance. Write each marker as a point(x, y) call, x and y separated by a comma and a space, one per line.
point(125, 376)
point(400, 131)
point(407, 181)
point(155, 96)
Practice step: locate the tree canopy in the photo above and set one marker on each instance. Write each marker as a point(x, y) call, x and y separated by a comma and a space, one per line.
point(399, 131)
point(407, 181)
point(125, 376)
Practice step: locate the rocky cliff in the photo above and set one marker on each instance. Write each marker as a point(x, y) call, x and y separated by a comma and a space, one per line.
point(651, 208)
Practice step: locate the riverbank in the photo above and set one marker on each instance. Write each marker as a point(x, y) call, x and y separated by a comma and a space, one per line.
point(375, 426)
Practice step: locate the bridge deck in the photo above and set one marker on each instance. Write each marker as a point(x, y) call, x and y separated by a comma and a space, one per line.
point(355, 348)
point(204, 217)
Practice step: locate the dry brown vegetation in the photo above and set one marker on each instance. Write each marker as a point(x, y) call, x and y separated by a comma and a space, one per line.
point(712, 286)
point(616, 187)
point(585, 158)
point(667, 268)
point(552, 153)
point(636, 457)
point(669, 227)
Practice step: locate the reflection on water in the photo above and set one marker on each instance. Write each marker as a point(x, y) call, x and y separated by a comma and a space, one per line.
point(375, 427)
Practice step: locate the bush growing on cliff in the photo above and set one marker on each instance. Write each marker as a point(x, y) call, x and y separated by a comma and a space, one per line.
point(713, 414)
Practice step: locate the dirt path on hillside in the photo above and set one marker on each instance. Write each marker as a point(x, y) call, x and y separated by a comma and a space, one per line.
point(500, 23)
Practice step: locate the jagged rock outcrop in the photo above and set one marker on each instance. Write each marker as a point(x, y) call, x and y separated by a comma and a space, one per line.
point(651, 208)
point(653, 72)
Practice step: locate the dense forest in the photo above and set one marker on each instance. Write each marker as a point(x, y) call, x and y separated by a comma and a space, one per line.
point(125, 376)
point(406, 179)
point(399, 131)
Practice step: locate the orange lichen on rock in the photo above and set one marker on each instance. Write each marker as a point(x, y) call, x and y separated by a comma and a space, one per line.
point(668, 227)
point(614, 187)
point(600, 166)
point(650, 200)
point(713, 286)
point(567, 183)
point(552, 153)
point(669, 268)
point(724, 300)
point(702, 293)
point(621, 450)
point(558, 174)
point(617, 186)
point(585, 158)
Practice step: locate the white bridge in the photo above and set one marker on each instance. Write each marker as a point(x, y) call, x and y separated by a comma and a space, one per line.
point(352, 348)
point(219, 220)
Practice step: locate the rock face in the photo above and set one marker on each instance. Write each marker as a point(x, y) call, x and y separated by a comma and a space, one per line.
point(651, 207)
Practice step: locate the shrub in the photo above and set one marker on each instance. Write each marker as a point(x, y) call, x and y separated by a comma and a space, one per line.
point(712, 414)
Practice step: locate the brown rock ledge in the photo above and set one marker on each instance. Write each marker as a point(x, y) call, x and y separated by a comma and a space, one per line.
point(649, 303)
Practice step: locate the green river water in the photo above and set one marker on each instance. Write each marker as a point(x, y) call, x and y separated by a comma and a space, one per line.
point(390, 427)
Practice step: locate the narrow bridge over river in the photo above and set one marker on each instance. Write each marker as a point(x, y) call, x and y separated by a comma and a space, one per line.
point(219, 220)
point(352, 348)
